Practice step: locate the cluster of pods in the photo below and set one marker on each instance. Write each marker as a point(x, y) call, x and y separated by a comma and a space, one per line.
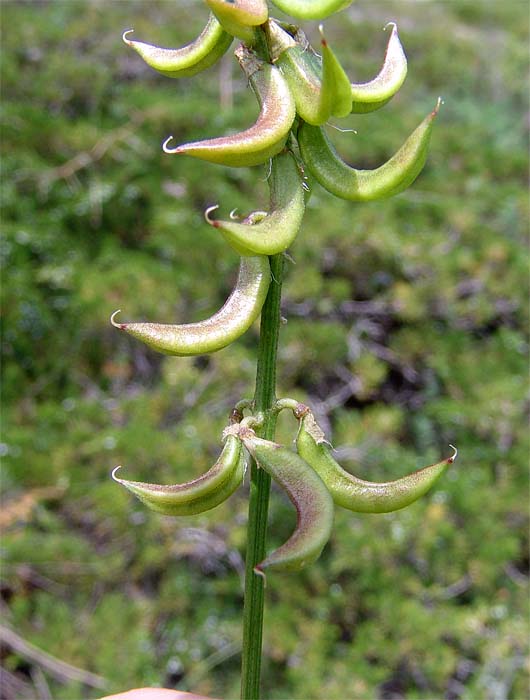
point(298, 91)
point(311, 477)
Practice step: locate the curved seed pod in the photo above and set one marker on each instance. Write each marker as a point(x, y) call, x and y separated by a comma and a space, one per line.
point(199, 495)
point(308, 494)
point(355, 494)
point(367, 97)
point(275, 231)
point(239, 17)
point(320, 87)
point(346, 182)
point(263, 139)
point(311, 9)
point(212, 43)
point(240, 310)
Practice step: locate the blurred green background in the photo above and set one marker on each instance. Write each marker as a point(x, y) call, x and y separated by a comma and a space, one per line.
point(407, 330)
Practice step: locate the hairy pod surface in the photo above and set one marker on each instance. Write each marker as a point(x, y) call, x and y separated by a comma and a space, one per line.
point(199, 495)
point(267, 136)
point(240, 310)
point(339, 178)
point(356, 494)
point(367, 97)
point(276, 231)
point(311, 9)
point(319, 85)
point(212, 43)
point(309, 495)
point(240, 17)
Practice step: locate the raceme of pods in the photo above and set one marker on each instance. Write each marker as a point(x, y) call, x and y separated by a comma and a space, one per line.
point(356, 494)
point(239, 312)
point(212, 43)
point(307, 492)
point(311, 9)
point(275, 231)
point(263, 139)
point(298, 91)
point(199, 495)
point(339, 178)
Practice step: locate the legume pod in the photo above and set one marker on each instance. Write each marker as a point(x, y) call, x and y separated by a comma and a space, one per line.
point(239, 312)
point(309, 495)
point(266, 137)
point(346, 182)
point(367, 97)
point(276, 230)
point(212, 43)
point(356, 494)
point(199, 495)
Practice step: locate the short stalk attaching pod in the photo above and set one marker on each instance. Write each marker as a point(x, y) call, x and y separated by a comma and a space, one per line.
point(212, 43)
point(311, 9)
point(355, 185)
point(275, 230)
point(356, 494)
point(367, 97)
point(266, 137)
point(240, 17)
point(239, 312)
point(201, 494)
point(308, 494)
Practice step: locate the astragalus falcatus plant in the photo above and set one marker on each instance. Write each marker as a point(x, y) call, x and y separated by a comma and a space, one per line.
point(299, 90)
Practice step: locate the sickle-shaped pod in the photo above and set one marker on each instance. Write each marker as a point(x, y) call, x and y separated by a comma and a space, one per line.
point(346, 182)
point(307, 492)
point(367, 97)
point(240, 17)
point(240, 310)
point(276, 231)
point(311, 9)
point(356, 494)
point(263, 139)
point(199, 495)
point(212, 43)
point(320, 86)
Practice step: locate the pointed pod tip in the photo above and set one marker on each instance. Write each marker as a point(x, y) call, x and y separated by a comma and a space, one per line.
point(169, 150)
point(113, 474)
point(453, 456)
point(212, 222)
point(120, 326)
point(439, 103)
point(390, 24)
point(124, 36)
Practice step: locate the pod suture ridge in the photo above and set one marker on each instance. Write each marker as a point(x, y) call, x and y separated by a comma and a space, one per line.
point(298, 91)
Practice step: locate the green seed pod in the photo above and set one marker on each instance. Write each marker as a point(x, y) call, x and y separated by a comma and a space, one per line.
point(266, 137)
point(311, 9)
point(212, 43)
point(276, 230)
point(346, 182)
point(355, 494)
point(239, 312)
point(240, 17)
point(308, 494)
point(320, 86)
point(367, 97)
point(201, 494)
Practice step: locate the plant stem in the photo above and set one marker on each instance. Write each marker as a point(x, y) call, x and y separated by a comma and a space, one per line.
point(264, 398)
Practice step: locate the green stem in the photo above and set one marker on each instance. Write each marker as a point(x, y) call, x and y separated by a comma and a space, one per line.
point(260, 482)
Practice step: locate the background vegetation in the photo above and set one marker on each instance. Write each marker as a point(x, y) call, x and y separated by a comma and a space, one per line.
point(407, 330)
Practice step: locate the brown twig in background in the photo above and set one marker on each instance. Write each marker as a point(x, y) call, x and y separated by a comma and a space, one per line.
point(60, 670)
